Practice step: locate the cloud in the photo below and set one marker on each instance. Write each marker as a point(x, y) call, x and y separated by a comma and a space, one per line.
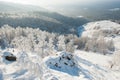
point(54, 2)
point(114, 9)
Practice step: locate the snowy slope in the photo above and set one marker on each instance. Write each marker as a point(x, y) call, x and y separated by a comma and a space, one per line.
point(90, 66)
point(107, 29)
point(78, 66)
point(104, 28)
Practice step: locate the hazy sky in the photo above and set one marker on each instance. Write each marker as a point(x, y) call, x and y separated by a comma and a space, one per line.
point(53, 2)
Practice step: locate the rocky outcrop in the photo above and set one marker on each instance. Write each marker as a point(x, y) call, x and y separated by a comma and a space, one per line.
point(9, 56)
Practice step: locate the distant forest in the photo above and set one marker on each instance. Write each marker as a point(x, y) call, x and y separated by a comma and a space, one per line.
point(48, 21)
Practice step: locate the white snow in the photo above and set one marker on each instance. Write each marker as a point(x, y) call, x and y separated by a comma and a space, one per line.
point(100, 27)
point(80, 65)
point(107, 29)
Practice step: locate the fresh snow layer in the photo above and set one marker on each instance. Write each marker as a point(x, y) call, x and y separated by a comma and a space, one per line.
point(104, 28)
point(80, 65)
point(107, 29)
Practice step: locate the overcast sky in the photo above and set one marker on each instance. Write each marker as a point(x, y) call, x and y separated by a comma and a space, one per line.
point(53, 2)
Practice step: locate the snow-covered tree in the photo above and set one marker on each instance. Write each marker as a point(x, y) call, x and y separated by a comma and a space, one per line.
point(115, 64)
point(70, 46)
point(61, 43)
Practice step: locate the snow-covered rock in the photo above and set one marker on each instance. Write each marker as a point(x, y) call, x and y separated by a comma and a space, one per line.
point(64, 62)
point(9, 56)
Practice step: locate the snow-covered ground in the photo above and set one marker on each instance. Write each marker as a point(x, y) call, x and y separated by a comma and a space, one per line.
point(80, 65)
point(104, 28)
point(107, 29)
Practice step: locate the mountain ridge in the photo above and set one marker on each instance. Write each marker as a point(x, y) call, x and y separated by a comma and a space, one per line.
point(16, 7)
